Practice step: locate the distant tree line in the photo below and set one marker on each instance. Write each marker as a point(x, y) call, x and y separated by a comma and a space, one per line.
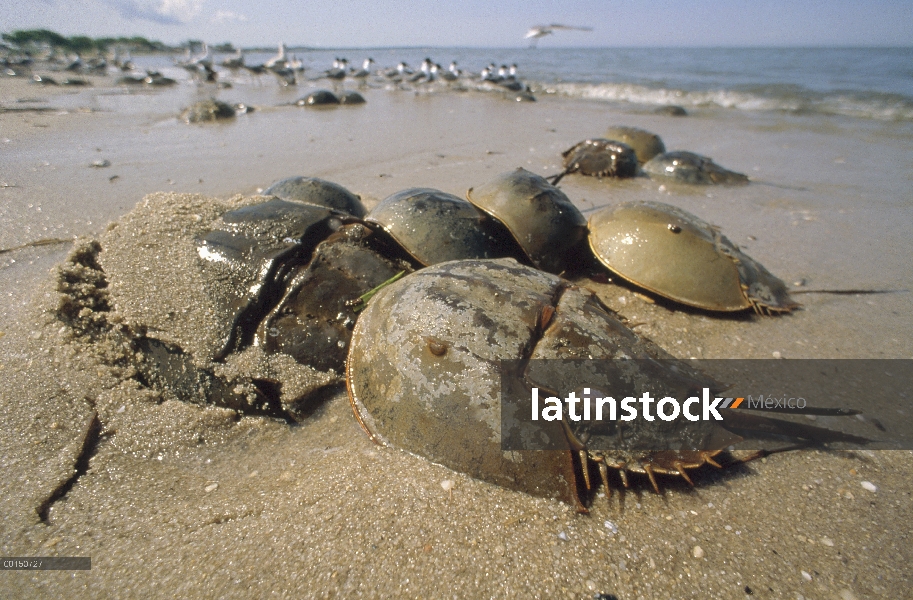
point(32, 39)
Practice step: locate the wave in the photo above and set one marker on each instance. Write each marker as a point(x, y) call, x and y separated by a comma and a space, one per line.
point(791, 99)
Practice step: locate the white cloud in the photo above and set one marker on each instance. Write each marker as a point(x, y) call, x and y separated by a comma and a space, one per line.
point(169, 12)
point(222, 16)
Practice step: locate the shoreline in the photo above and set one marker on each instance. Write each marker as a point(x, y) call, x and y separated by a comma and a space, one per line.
point(287, 499)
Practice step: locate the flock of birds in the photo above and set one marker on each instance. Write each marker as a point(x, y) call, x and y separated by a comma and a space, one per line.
point(289, 69)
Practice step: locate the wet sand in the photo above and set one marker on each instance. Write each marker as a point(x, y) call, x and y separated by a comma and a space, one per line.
point(172, 498)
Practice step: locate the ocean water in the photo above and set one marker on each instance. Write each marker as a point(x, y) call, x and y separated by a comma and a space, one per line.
point(866, 83)
point(871, 83)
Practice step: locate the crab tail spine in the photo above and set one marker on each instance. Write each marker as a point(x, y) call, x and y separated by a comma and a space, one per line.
point(554, 179)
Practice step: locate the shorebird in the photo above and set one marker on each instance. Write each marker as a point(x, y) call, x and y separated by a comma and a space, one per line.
point(203, 60)
point(74, 64)
point(279, 61)
point(365, 69)
point(338, 72)
point(540, 31)
point(124, 64)
point(424, 72)
point(452, 73)
point(234, 62)
point(97, 65)
point(397, 73)
point(199, 65)
point(286, 76)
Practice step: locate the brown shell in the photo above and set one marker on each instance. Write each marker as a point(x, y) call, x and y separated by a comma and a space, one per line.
point(679, 256)
point(313, 321)
point(251, 251)
point(599, 157)
point(541, 218)
point(646, 145)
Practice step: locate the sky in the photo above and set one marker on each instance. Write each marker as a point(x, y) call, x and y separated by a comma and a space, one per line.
point(476, 23)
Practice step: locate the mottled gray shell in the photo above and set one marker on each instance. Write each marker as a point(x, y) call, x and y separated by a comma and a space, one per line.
point(600, 157)
point(207, 111)
point(679, 256)
point(646, 145)
point(431, 385)
point(540, 217)
point(317, 191)
point(688, 167)
point(319, 98)
point(425, 364)
point(433, 226)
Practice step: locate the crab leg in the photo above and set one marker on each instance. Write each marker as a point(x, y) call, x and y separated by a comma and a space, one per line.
point(648, 469)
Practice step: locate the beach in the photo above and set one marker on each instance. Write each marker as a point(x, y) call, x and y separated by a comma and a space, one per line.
point(183, 499)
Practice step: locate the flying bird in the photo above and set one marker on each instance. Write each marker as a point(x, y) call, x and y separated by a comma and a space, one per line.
point(539, 31)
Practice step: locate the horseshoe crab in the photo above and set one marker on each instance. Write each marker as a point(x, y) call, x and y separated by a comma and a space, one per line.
point(521, 96)
point(278, 269)
point(452, 331)
point(599, 157)
point(208, 111)
point(319, 98)
point(646, 145)
point(671, 110)
point(351, 98)
point(314, 319)
point(251, 253)
point(675, 254)
point(539, 216)
point(433, 226)
point(313, 190)
point(688, 167)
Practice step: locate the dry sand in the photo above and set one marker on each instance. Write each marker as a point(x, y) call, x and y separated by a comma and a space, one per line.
point(177, 499)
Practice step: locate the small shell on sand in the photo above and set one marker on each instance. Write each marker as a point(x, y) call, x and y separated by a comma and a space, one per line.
point(869, 486)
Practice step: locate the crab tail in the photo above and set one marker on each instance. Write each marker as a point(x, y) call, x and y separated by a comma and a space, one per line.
point(554, 179)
